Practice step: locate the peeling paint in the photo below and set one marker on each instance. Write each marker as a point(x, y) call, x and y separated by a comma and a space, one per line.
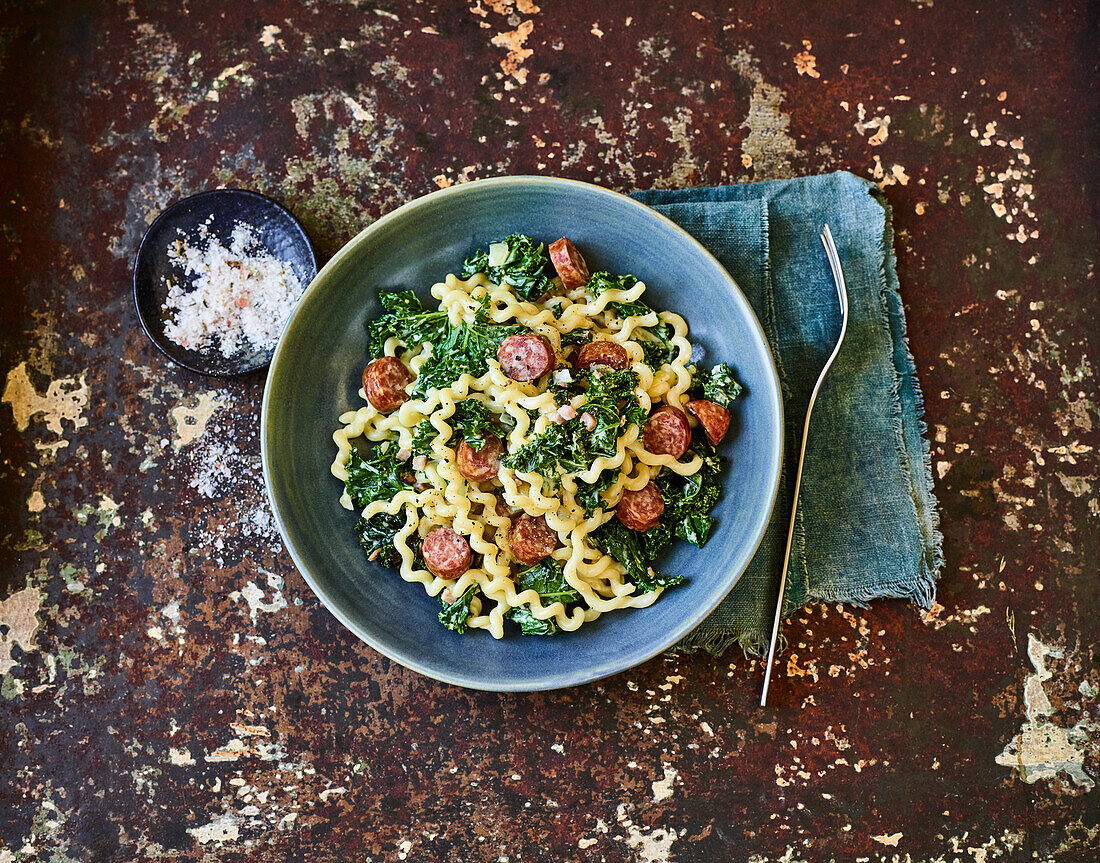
point(514, 41)
point(663, 788)
point(191, 422)
point(768, 147)
point(1042, 749)
point(652, 846)
point(220, 830)
point(64, 399)
point(254, 596)
point(19, 617)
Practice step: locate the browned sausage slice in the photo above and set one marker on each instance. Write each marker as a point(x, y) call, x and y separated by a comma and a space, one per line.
point(715, 418)
point(668, 432)
point(601, 354)
point(640, 510)
point(480, 464)
point(526, 356)
point(531, 539)
point(571, 267)
point(446, 553)
point(384, 382)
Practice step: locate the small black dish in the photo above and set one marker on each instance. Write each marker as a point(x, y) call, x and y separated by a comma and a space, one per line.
point(277, 230)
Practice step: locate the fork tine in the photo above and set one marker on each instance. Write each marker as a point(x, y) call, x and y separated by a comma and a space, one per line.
point(834, 264)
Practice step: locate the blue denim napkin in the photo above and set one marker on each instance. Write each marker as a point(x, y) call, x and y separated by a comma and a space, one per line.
point(867, 523)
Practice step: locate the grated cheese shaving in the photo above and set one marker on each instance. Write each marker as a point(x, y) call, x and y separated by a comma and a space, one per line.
point(239, 298)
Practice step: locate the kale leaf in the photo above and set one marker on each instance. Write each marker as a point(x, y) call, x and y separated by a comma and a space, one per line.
point(560, 449)
point(689, 499)
point(717, 385)
point(531, 625)
point(454, 615)
point(588, 493)
point(576, 337)
point(422, 437)
point(658, 579)
point(406, 319)
point(462, 350)
point(376, 536)
point(548, 580)
point(659, 349)
point(442, 369)
point(570, 447)
point(628, 547)
point(374, 476)
point(526, 268)
point(610, 398)
point(473, 421)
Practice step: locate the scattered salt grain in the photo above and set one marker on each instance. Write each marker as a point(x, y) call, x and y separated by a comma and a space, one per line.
point(239, 298)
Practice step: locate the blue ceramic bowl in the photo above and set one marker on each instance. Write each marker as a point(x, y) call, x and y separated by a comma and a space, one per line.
point(316, 372)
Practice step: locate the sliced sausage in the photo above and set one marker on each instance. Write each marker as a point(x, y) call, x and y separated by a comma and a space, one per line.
point(446, 552)
point(531, 539)
point(668, 432)
point(640, 510)
point(715, 418)
point(480, 464)
point(384, 382)
point(571, 267)
point(526, 356)
point(601, 354)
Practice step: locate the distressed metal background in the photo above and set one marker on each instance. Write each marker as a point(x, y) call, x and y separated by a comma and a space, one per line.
point(171, 688)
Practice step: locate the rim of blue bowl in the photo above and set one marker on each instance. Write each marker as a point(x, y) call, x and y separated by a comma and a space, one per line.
point(590, 674)
point(180, 356)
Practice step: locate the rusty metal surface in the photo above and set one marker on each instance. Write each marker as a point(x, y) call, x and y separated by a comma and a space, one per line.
point(170, 686)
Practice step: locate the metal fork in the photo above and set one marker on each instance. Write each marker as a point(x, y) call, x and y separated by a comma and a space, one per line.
point(842, 296)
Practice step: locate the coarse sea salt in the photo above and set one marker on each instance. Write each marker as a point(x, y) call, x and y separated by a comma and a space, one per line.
point(239, 297)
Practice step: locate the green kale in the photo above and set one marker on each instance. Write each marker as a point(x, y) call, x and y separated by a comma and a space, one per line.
point(611, 397)
point(422, 438)
point(656, 579)
point(406, 319)
point(689, 499)
point(374, 476)
point(659, 349)
point(526, 268)
point(717, 385)
point(570, 447)
point(462, 350)
point(376, 536)
point(454, 615)
point(548, 580)
point(442, 369)
point(626, 546)
point(531, 625)
point(560, 449)
point(473, 421)
point(576, 337)
point(588, 493)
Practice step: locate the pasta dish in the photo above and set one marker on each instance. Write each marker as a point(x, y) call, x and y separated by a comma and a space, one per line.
point(528, 447)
